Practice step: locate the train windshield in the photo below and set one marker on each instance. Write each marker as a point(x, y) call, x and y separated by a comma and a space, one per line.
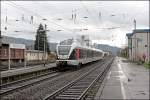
point(63, 50)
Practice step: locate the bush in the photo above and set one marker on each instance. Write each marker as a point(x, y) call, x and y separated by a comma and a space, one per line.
point(147, 65)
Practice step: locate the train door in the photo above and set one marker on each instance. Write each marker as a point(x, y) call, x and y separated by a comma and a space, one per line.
point(77, 53)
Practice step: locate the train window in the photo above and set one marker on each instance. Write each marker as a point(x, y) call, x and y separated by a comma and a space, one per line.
point(84, 53)
point(73, 55)
point(92, 53)
point(88, 53)
point(64, 50)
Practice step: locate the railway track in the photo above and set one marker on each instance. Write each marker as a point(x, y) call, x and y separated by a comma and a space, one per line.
point(24, 83)
point(77, 89)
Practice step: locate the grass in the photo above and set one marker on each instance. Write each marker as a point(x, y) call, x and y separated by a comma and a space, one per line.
point(147, 65)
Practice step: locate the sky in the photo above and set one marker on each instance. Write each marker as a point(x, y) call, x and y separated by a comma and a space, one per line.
point(106, 22)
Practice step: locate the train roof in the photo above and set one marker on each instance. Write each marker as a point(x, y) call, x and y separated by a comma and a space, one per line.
point(75, 43)
point(89, 48)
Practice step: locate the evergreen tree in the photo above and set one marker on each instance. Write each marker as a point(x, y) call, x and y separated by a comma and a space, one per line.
point(41, 39)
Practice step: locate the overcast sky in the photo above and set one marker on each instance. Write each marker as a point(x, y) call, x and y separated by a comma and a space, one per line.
point(99, 17)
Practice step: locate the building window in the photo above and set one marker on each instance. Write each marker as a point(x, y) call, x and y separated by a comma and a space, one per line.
point(5, 52)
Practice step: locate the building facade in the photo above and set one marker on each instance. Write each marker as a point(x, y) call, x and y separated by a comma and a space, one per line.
point(12, 52)
point(139, 45)
point(35, 55)
point(129, 45)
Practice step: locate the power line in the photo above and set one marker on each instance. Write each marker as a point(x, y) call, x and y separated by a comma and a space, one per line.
point(88, 12)
point(40, 16)
point(23, 9)
point(20, 12)
point(35, 24)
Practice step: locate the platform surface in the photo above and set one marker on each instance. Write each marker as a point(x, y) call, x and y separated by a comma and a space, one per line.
point(125, 80)
point(26, 70)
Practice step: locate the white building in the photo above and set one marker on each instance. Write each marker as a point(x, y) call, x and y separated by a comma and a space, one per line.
point(35, 55)
point(129, 45)
point(139, 45)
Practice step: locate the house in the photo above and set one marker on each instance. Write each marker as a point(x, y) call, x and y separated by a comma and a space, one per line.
point(12, 52)
point(139, 45)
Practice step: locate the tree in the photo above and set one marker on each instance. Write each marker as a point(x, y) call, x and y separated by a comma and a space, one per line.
point(41, 39)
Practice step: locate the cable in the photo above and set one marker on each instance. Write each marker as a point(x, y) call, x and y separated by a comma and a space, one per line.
point(35, 24)
point(40, 16)
point(88, 11)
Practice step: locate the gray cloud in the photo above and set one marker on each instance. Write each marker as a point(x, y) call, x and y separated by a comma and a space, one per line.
point(113, 14)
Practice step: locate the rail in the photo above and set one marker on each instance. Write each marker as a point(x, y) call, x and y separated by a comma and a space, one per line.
point(77, 89)
point(6, 89)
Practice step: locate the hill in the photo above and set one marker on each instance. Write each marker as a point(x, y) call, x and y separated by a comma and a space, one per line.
point(104, 47)
point(29, 43)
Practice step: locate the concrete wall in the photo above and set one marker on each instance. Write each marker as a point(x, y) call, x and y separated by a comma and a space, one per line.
point(133, 48)
point(130, 48)
point(140, 47)
point(35, 55)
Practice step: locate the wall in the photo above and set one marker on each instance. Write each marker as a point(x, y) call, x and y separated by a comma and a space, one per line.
point(140, 47)
point(35, 55)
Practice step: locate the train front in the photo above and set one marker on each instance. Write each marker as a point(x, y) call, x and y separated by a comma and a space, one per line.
point(63, 52)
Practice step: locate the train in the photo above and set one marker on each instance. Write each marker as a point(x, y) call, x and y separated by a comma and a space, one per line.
point(72, 53)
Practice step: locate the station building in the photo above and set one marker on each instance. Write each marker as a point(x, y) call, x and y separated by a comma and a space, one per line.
point(17, 53)
point(139, 45)
point(12, 52)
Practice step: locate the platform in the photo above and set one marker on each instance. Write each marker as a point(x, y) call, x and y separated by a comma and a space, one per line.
point(26, 70)
point(125, 80)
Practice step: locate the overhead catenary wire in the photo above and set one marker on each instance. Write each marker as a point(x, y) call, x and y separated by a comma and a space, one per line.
point(20, 12)
point(89, 13)
point(24, 9)
point(36, 14)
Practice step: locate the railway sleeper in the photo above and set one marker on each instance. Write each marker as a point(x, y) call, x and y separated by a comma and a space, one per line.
point(75, 89)
point(80, 86)
point(84, 83)
point(90, 79)
point(67, 96)
point(73, 92)
point(63, 98)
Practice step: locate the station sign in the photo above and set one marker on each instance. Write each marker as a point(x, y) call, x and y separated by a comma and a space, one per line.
point(17, 46)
